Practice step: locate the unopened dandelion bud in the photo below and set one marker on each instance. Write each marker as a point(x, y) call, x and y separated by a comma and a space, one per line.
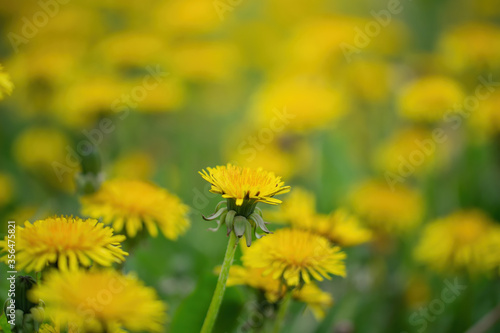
point(23, 286)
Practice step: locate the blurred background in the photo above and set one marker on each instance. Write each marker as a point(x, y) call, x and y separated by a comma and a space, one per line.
point(387, 109)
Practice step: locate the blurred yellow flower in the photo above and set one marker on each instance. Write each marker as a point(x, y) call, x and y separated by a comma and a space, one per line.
point(36, 148)
point(186, 17)
point(310, 103)
point(400, 150)
point(240, 184)
point(98, 301)
point(471, 46)
point(316, 299)
point(340, 227)
point(485, 120)
point(463, 241)
point(81, 104)
point(428, 99)
point(387, 209)
point(133, 203)
point(221, 61)
point(133, 165)
point(66, 242)
point(131, 49)
point(295, 256)
point(270, 158)
point(343, 228)
point(6, 85)
point(370, 79)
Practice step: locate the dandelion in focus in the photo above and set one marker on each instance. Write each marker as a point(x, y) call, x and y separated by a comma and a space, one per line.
point(243, 189)
point(65, 242)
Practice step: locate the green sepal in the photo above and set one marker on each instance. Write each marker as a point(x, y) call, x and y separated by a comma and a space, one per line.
point(215, 215)
point(230, 221)
point(240, 224)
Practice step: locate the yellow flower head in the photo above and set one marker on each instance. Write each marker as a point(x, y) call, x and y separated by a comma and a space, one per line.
point(344, 229)
point(465, 240)
point(429, 98)
point(414, 146)
point(133, 203)
point(305, 104)
point(240, 184)
point(6, 85)
point(340, 227)
point(294, 256)
point(386, 209)
point(471, 46)
point(66, 242)
point(100, 301)
point(486, 119)
point(316, 299)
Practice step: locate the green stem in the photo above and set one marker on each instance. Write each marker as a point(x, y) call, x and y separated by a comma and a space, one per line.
point(283, 309)
point(211, 316)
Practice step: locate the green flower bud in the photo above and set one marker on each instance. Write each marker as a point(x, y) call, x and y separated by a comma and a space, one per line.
point(23, 286)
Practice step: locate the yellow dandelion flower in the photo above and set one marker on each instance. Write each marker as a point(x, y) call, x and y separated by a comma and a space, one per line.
point(344, 229)
point(369, 79)
point(464, 240)
point(6, 85)
point(340, 227)
point(299, 209)
point(486, 119)
point(221, 61)
point(428, 99)
point(471, 46)
point(101, 301)
point(66, 242)
point(316, 299)
point(271, 158)
point(240, 184)
point(296, 256)
point(133, 165)
point(132, 204)
point(308, 103)
point(412, 150)
point(386, 209)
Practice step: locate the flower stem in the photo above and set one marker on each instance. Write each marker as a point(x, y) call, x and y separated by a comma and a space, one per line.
point(213, 310)
point(283, 309)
